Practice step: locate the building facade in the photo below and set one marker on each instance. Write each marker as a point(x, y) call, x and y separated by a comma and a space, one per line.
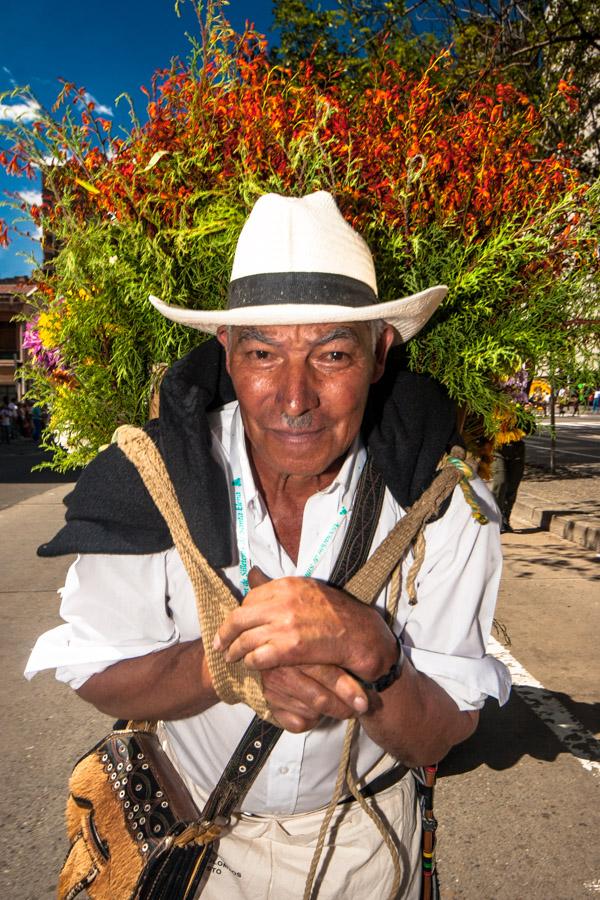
point(13, 300)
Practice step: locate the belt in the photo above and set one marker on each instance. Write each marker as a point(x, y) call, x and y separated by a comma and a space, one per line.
point(381, 783)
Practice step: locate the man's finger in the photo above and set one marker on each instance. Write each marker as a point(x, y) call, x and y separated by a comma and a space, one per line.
point(293, 689)
point(240, 620)
point(340, 683)
point(256, 577)
point(278, 699)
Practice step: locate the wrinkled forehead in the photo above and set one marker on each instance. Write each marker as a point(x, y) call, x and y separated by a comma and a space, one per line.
point(358, 333)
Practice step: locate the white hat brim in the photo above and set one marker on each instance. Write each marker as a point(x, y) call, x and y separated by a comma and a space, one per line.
point(407, 314)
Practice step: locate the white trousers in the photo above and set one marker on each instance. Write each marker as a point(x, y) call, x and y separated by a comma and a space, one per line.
point(268, 858)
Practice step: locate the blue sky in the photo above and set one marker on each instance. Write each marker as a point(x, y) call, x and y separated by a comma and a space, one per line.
point(107, 47)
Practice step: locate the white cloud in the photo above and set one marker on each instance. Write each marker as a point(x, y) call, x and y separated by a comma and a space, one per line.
point(28, 111)
point(99, 107)
point(10, 76)
point(50, 161)
point(31, 197)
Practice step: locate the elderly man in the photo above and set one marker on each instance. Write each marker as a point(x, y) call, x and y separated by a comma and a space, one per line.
point(266, 458)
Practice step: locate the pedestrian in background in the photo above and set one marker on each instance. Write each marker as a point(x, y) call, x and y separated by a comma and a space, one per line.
point(5, 422)
point(507, 471)
point(36, 422)
point(508, 464)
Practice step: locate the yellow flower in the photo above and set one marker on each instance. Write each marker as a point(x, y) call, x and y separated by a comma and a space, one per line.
point(506, 437)
point(507, 430)
point(49, 328)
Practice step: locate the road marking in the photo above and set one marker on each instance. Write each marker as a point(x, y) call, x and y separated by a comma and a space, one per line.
point(570, 423)
point(562, 452)
point(580, 742)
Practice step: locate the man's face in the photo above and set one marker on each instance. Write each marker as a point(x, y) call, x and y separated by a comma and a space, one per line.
point(302, 391)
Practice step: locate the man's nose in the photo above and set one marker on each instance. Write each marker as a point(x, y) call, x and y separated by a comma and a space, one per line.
point(298, 393)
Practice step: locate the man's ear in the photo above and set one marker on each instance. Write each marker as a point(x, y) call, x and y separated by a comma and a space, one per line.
point(382, 348)
point(223, 339)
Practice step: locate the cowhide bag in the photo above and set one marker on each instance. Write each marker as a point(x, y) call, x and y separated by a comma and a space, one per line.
point(130, 821)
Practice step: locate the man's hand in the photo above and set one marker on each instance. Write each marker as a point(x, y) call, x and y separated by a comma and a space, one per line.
point(299, 696)
point(301, 622)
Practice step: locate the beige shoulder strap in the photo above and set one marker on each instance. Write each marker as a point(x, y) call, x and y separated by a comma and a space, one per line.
point(233, 682)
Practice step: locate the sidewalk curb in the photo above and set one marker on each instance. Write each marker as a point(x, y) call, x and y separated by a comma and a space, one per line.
point(565, 522)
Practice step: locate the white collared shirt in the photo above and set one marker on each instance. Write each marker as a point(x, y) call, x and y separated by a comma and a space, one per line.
point(119, 607)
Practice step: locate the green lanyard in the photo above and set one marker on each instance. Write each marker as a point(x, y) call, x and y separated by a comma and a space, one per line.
point(241, 530)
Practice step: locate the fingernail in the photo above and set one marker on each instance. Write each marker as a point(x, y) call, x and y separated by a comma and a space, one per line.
point(217, 643)
point(360, 704)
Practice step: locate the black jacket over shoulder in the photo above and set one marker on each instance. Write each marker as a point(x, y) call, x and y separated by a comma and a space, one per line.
point(409, 423)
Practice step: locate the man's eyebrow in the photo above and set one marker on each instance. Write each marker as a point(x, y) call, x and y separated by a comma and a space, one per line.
point(338, 334)
point(254, 334)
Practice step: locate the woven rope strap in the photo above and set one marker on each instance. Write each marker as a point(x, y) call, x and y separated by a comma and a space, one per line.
point(233, 682)
point(370, 580)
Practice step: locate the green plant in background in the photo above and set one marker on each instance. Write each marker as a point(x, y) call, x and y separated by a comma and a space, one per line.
point(445, 188)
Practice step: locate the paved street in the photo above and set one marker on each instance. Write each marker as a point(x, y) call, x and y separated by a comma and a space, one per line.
point(577, 442)
point(17, 481)
point(518, 803)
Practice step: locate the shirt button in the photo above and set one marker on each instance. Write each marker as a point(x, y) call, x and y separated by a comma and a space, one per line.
point(283, 770)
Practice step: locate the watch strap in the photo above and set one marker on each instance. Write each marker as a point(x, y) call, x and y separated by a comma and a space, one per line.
point(385, 681)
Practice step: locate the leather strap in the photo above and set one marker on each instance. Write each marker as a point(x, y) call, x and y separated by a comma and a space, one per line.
point(363, 523)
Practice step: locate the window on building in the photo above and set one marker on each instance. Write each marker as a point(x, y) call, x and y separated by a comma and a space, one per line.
point(9, 340)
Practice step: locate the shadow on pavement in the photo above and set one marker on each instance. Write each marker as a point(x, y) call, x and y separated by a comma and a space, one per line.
point(19, 457)
point(567, 557)
point(535, 472)
point(508, 733)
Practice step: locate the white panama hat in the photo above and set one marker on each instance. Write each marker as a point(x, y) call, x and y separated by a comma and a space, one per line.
point(298, 262)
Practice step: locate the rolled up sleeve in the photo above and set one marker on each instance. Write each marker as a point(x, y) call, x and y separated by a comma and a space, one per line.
point(114, 607)
point(446, 632)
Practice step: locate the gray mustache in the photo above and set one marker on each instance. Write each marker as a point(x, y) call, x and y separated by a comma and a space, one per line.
point(297, 422)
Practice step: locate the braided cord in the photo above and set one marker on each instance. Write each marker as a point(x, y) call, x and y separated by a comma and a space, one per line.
point(342, 775)
point(379, 825)
point(468, 472)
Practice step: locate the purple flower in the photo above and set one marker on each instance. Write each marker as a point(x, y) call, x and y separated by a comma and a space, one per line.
point(44, 359)
point(516, 386)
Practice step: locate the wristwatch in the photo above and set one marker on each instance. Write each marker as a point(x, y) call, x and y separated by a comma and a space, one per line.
point(384, 681)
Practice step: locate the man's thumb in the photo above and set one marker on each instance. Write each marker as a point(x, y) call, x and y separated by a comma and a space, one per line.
point(256, 577)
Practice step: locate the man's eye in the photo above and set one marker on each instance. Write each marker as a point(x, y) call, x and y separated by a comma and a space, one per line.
point(337, 356)
point(260, 354)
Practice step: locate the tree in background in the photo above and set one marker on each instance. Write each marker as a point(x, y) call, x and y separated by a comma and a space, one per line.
point(346, 37)
point(446, 185)
point(541, 47)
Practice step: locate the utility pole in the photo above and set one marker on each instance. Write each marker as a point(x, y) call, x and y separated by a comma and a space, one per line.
point(552, 425)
